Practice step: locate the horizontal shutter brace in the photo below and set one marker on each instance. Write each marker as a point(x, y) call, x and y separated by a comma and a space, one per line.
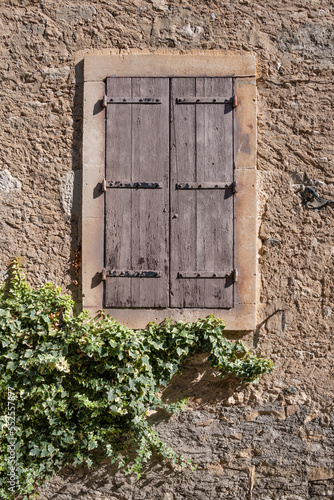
point(130, 100)
point(112, 273)
point(209, 274)
point(158, 185)
point(207, 185)
point(207, 100)
point(179, 100)
point(130, 185)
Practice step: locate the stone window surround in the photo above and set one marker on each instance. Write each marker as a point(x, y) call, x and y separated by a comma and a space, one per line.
point(193, 64)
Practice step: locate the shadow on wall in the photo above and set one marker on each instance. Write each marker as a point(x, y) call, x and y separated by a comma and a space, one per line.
point(199, 381)
point(75, 213)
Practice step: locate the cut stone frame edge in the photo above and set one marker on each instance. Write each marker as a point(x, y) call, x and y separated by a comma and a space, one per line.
point(242, 67)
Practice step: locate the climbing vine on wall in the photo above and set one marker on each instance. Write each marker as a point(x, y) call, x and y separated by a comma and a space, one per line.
point(75, 390)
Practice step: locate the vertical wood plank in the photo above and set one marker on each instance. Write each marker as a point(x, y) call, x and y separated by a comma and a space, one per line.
point(150, 162)
point(183, 208)
point(214, 129)
point(118, 202)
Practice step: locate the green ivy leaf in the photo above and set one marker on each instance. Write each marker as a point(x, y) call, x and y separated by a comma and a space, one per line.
point(11, 355)
point(11, 366)
point(92, 444)
point(34, 452)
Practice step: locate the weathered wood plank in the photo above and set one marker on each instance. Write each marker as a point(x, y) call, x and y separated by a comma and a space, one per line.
point(150, 161)
point(214, 129)
point(118, 292)
point(183, 208)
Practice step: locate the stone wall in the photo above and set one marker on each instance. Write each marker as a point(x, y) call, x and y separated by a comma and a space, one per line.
point(268, 441)
point(265, 453)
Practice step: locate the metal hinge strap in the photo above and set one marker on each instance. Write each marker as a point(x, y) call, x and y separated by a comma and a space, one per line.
point(130, 100)
point(207, 185)
point(208, 274)
point(132, 185)
point(204, 185)
point(206, 100)
point(113, 273)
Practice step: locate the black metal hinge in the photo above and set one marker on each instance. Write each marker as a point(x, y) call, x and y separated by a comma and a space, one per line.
point(179, 100)
point(208, 275)
point(207, 185)
point(113, 273)
point(130, 185)
point(130, 100)
point(207, 100)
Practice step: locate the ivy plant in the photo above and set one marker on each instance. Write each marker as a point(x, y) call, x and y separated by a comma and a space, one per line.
point(80, 388)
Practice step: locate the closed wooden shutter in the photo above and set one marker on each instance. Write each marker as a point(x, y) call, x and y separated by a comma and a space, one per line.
point(137, 199)
point(201, 193)
point(169, 196)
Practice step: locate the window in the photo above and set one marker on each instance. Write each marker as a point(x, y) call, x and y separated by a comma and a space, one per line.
point(169, 202)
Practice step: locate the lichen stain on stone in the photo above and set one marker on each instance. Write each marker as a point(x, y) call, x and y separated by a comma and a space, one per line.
point(66, 184)
point(244, 144)
point(8, 183)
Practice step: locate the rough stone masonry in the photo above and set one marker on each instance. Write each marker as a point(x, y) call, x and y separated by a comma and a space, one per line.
point(273, 440)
